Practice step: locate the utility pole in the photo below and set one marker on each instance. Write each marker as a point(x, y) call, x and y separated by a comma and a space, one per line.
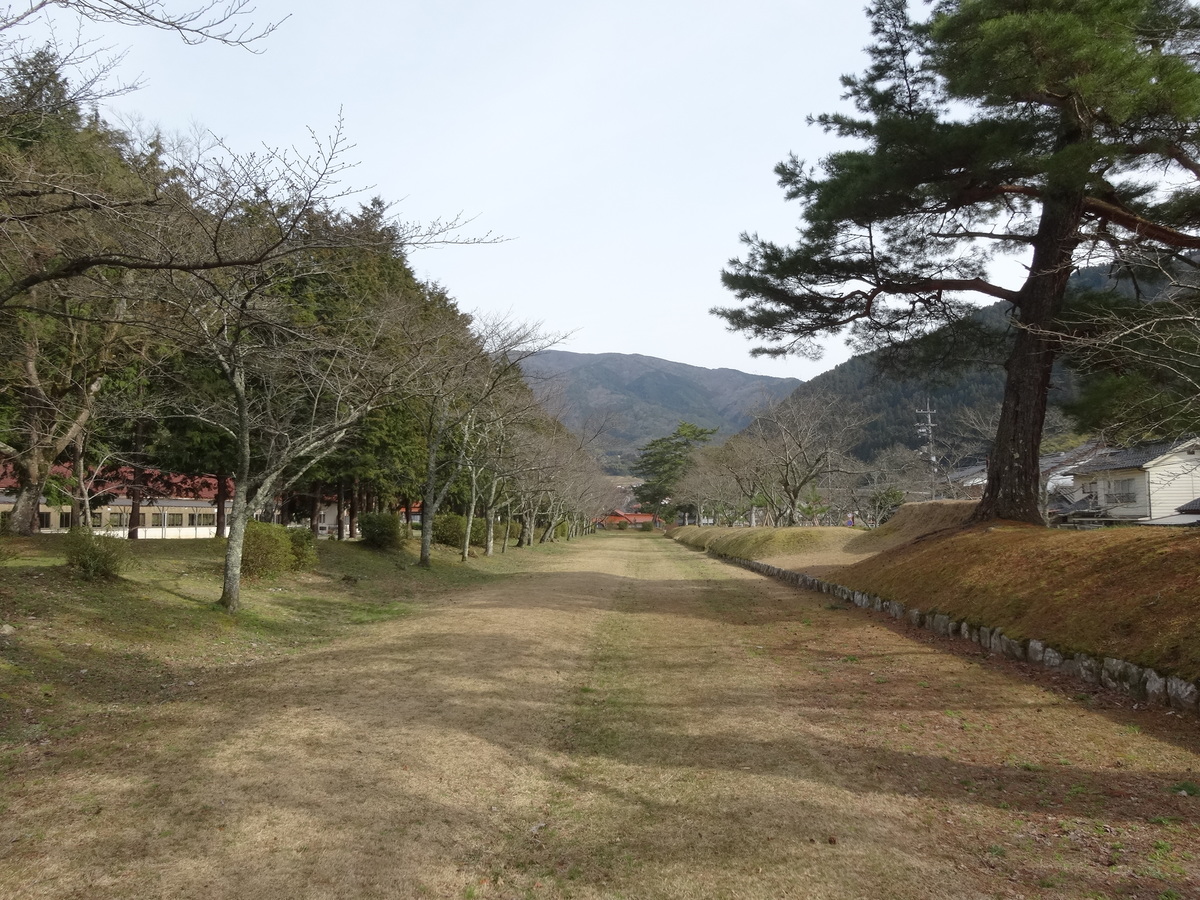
point(925, 429)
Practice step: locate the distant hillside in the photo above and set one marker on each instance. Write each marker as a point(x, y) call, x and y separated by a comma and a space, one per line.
point(890, 404)
point(644, 397)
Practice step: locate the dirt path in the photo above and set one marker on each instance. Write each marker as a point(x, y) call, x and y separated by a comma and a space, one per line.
point(631, 719)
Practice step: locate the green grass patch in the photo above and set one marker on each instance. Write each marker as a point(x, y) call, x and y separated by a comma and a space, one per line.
point(71, 646)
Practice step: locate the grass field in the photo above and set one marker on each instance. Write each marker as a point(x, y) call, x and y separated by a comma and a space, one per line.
point(617, 717)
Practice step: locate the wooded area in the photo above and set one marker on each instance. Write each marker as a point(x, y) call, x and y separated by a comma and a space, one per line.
point(181, 306)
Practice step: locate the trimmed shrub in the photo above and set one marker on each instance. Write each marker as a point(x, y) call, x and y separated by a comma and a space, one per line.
point(304, 549)
point(380, 531)
point(448, 529)
point(646, 526)
point(95, 555)
point(267, 551)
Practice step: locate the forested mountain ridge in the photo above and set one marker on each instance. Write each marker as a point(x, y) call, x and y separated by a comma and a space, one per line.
point(889, 405)
point(968, 386)
point(648, 397)
point(643, 397)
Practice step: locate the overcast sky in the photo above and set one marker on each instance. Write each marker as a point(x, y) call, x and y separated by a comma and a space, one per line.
point(620, 147)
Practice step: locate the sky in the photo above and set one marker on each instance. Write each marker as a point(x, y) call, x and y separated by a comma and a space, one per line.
point(618, 148)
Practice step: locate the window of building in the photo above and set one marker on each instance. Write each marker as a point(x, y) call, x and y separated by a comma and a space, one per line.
point(44, 521)
point(174, 520)
point(1121, 490)
point(64, 519)
point(156, 520)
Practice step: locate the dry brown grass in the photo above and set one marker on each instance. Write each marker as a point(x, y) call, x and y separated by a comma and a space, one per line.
point(821, 550)
point(618, 718)
point(1130, 593)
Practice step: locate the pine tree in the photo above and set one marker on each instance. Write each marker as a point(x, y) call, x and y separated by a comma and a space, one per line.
point(1063, 130)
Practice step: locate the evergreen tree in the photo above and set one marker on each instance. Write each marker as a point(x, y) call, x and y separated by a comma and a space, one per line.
point(663, 463)
point(1064, 130)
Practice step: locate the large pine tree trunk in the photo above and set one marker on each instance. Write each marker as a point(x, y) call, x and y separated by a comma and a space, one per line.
point(1014, 485)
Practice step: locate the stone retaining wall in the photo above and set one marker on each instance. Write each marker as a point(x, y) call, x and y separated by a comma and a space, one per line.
point(1117, 674)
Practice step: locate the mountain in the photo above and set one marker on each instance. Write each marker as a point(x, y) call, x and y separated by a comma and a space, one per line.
point(889, 406)
point(644, 398)
point(954, 380)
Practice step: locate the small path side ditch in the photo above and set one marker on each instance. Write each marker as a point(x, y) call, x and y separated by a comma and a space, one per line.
point(1142, 683)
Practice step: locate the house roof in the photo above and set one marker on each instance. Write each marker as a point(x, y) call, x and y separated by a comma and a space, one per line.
point(1192, 506)
point(118, 481)
point(1171, 520)
point(1128, 457)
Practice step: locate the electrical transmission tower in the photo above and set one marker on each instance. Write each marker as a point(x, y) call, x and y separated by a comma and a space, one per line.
point(926, 429)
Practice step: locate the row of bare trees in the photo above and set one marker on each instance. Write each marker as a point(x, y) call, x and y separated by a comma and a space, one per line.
point(793, 466)
point(178, 304)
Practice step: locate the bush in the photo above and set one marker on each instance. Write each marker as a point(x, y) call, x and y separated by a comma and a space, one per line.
point(95, 555)
point(448, 529)
point(267, 551)
point(304, 549)
point(646, 526)
point(381, 531)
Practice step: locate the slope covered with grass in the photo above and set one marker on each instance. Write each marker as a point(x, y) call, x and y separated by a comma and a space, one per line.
point(1131, 593)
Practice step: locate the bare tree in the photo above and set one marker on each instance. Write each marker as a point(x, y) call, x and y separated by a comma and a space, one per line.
point(799, 442)
point(480, 361)
point(711, 484)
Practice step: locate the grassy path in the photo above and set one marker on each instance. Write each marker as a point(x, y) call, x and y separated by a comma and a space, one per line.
point(626, 719)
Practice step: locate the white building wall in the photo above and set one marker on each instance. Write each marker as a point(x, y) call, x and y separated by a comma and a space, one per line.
point(1174, 482)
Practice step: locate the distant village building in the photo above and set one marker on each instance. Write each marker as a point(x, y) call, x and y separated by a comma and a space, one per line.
point(1093, 484)
point(1151, 484)
point(617, 519)
point(171, 506)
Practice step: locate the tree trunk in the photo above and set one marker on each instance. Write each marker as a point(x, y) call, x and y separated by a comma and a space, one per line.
point(221, 500)
point(469, 519)
point(354, 492)
point(314, 510)
point(231, 589)
point(525, 538)
point(135, 509)
point(31, 482)
point(555, 517)
point(139, 477)
point(1014, 484)
point(81, 508)
point(341, 510)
